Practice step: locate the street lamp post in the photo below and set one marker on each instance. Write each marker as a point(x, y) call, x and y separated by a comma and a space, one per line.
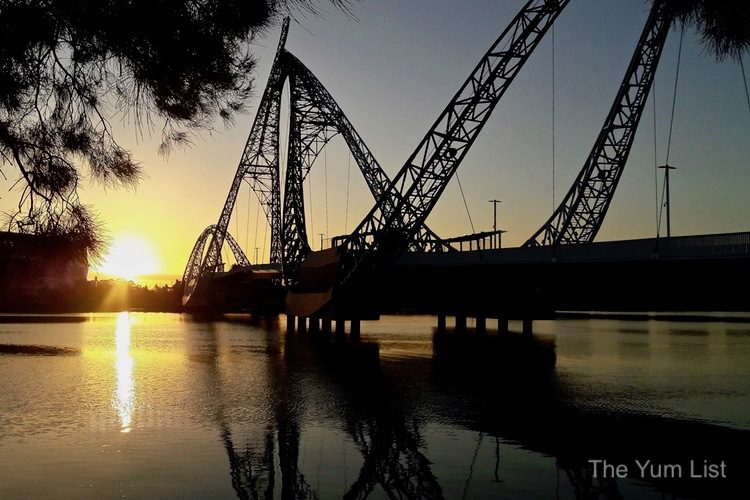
point(494, 218)
point(667, 204)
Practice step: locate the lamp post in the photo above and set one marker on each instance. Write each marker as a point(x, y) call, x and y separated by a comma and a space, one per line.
point(667, 204)
point(494, 218)
point(321, 239)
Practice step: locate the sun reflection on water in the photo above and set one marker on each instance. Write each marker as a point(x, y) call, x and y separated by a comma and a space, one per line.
point(124, 397)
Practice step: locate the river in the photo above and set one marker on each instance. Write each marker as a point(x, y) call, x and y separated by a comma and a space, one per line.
point(141, 405)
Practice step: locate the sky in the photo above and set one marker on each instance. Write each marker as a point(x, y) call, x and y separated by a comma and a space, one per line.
point(394, 65)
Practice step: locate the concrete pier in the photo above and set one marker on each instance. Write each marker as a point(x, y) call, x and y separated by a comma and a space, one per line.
point(527, 328)
point(460, 324)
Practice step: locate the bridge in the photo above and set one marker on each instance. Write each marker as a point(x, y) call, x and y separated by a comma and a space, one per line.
point(393, 261)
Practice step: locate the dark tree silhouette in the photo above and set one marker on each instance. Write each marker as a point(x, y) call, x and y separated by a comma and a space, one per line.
point(70, 67)
point(724, 25)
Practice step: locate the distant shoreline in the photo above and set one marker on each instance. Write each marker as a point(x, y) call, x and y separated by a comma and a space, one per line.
point(697, 317)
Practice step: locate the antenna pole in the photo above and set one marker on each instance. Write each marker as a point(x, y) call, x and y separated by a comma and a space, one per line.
point(494, 217)
point(667, 203)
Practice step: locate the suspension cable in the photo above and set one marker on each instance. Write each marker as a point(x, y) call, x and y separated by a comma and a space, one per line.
point(553, 118)
point(744, 79)
point(674, 95)
point(656, 163)
point(671, 125)
point(472, 465)
point(247, 215)
point(265, 239)
point(346, 212)
point(460, 187)
point(312, 223)
point(236, 209)
point(257, 220)
point(661, 206)
point(325, 180)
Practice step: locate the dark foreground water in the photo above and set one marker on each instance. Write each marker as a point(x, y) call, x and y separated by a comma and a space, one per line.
point(158, 405)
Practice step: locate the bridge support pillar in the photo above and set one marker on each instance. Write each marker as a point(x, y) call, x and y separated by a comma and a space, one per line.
point(340, 329)
point(528, 330)
point(290, 319)
point(301, 324)
point(354, 330)
point(325, 325)
point(481, 325)
point(314, 325)
point(460, 324)
point(441, 323)
point(502, 326)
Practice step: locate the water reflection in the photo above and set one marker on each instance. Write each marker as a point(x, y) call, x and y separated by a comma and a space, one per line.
point(231, 408)
point(387, 411)
point(124, 397)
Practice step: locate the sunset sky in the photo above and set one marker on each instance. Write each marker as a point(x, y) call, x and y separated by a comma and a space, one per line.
point(394, 68)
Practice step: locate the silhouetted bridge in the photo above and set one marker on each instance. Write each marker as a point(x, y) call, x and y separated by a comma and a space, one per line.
point(393, 262)
point(688, 273)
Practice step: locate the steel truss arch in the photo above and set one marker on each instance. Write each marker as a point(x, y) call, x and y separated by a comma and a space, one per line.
point(328, 114)
point(315, 119)
point(194, 269)
point(389, 227)
point(259, 166)
point(579, 216)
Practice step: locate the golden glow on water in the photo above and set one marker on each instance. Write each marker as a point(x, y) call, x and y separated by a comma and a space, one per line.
point(124, 397)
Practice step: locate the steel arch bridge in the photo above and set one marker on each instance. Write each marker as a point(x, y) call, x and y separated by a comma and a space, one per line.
point(396, 222)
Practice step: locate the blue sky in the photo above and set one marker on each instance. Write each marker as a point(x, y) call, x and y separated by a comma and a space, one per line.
point(395, 68)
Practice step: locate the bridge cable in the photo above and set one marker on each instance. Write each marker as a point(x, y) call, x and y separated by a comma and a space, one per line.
point(656, 163)
point(744, 79)
point(312, 223)
point(671, 123)
point(348, 175)
point(236, 211)
point(472, 465)
point(265, 238)
point(224, 251)
point(257, 220)
point(460, 187)
point(325, 180)
point(247, 216)
point(674, 95)
point(553, 118)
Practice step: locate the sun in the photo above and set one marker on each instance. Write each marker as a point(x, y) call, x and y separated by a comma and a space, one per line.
point(129, 257)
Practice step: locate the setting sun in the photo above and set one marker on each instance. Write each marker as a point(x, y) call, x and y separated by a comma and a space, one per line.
point(129, 257)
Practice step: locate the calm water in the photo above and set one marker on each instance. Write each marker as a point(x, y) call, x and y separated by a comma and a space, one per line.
point(159, 405)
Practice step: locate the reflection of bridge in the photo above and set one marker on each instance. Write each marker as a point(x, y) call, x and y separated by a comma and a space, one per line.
point(387, 408)
point(392, 250)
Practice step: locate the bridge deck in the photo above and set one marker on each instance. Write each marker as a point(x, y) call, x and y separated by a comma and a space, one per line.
point(690, 273)
point(710, 246)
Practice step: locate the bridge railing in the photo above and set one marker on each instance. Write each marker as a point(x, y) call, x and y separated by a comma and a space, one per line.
point(486, 240)
point(675, 247)
point(728, 244)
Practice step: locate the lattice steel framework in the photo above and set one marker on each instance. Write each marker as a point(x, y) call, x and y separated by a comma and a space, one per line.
point(259, 166)
point(315, 119)
point(579, 216)
point(197, 256)
point(392, 460)
point(401, 211)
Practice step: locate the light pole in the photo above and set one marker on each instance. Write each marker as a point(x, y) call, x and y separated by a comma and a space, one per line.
point(494, 217)
point(321, 239)
point(667, 168)
point(256, 255)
